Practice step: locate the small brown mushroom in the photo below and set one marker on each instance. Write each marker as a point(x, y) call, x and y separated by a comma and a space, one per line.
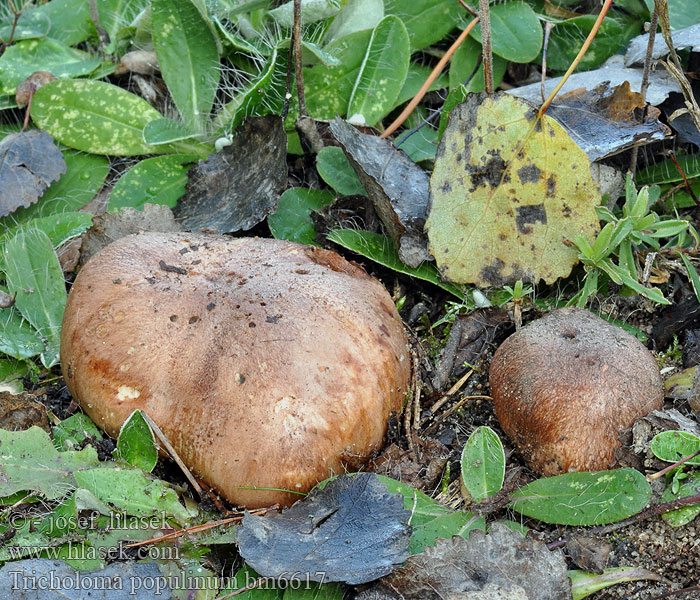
point(267, 364)
point(565, 386)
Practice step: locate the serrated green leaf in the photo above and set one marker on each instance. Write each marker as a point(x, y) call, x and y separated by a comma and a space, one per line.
point(131, 492)
point(382, 73)
point(516, 32)
point(34, 274)
point(158, 180)
point(429, 519)
point(136, 443)
point(188, 58)
point(335, 169)
point(379, 248)
point(111, 119)
point(20, 60)
point(292, 219)
point(483, 464)
point(582, 499)
point(29, 462)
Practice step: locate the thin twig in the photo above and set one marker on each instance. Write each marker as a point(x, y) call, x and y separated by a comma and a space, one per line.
point(577, 60)
point(657, 509)
point(545, 45)
point(247, 588)
point(454, 389)
point(168, 446)
point(297, 59)
point(429, 81)
point(671, 467)
point(645, 79)
point(486, 45)
point(468, 8)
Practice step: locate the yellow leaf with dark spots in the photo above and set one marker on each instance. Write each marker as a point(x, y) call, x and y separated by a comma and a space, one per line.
point(507, 192)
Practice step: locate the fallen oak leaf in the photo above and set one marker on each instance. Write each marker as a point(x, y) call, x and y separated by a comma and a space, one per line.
point(29, 162)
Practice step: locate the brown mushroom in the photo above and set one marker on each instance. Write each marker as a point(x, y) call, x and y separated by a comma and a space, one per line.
point(565, 386)
point(266, 363)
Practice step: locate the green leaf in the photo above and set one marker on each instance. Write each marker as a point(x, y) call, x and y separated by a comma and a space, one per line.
point(681, 13)
point(483, 464)
point(85, 174)
point(427, 21)
point(246, 576)
point(311, 11)
point(31, 24)
point(29, 462)
point(516, 33)
point(116, 15)
point(429, 519)
point(66, 517)
point(20, 60)
point(356, 15)
point(246, 101)
point(111, 119)
point(421, 145)
point(684, 515)
point(136, 443)
point(70, 20)
point(17, 337)
point(34, 274)
point(667, 172)
point(188, 58)
point(692, 274)
point(673, 446)
point(73, 431)
point(158, 180)
point(335, 169)
point(583, 499)
point(292, 219)
point(382, 73)
point(166, 131)
point(415, 78)
point(584, 584)
point(314, 591)
point(62, 227)
point(379, 248)
point(12, 370)
point(567, 37)
point(328, 89)
point(131, 492)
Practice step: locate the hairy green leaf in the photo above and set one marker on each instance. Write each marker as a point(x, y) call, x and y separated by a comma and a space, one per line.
point(483, 464)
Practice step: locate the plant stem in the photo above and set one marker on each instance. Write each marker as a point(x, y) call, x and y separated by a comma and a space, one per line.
point(577, 60)
point(429, 81)
point(486, 45)
point(297, 59)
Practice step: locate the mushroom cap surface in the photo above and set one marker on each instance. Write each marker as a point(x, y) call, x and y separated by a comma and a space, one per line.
point(267, 364)
point(566, 385)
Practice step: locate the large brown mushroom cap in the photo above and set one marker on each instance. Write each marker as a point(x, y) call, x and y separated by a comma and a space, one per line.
point(565, 386)
point(266, 363)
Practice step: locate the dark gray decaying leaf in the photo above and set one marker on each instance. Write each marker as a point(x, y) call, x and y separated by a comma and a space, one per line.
point(352, 530)
point(29, 162)
point(238, 187)
point(502, 562)
point(397, 186)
